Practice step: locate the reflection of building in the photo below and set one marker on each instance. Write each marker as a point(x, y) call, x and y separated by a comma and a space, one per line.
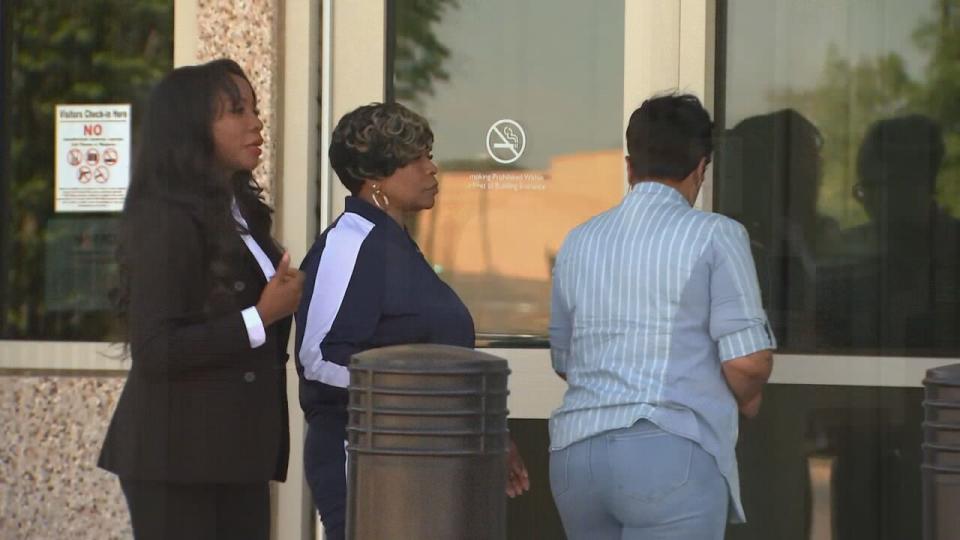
point(493, 235)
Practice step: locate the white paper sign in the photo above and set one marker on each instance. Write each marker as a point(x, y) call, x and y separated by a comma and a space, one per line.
point(92, 157)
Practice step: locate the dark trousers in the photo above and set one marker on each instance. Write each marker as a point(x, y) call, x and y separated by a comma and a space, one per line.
point(324, 465)
point(165, 511)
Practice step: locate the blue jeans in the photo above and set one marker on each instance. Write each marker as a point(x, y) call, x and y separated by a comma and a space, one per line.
point(638, 483)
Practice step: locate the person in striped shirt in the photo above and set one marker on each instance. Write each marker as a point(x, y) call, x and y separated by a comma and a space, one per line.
point(658, 329)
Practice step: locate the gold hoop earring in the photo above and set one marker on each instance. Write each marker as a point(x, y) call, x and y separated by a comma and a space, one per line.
point(377, 193)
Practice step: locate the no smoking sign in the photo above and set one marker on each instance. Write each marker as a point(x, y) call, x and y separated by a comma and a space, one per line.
point(506, 141)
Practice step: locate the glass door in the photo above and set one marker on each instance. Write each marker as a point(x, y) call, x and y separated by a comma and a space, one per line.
point(839, 155)
point(525, 100)
point(528, 102)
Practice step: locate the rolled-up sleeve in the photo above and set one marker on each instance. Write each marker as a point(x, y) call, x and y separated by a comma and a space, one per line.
point(737, 321)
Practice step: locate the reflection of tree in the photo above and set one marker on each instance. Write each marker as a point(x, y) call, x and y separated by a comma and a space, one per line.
point(419, 56)
point(96, 51)
point(849, 97)
point(939, 97)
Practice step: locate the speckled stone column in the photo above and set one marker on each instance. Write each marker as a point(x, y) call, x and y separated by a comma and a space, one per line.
point(247, 32)
point(53, 425)
point(50, 486)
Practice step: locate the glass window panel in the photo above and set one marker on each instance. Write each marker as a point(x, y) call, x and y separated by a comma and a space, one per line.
point(841, 156)
point(832, 462)
point(56, 269)
point(555, 68)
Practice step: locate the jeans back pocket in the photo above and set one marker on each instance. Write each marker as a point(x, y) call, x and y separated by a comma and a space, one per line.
point(649, 465)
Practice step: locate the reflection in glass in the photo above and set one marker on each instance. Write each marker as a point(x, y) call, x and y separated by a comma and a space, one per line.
point(899, 282)
point(555, 68)
point(54, 271)
point(769, 178)
point(840, 154)
point(833, 161)
point(837, 462)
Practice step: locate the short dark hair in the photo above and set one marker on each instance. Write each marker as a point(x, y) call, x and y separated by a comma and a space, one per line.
point(375, 140)
point(668, 136)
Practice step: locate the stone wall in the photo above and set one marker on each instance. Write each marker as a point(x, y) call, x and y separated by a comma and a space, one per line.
point(50, 487)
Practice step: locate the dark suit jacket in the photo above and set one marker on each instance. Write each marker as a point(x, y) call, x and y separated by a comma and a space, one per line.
point(199, 404)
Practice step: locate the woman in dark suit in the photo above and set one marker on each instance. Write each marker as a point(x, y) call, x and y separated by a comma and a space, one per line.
point(201, 425)
point(369, 286)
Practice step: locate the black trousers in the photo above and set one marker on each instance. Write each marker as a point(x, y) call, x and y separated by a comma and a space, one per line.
point(166, 511)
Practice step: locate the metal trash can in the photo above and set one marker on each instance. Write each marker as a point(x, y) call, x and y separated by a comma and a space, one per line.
point(941, 454)
point(427, 439)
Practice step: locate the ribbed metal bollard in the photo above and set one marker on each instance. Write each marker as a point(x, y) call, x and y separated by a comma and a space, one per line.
point(427, 439)
point(941, 454)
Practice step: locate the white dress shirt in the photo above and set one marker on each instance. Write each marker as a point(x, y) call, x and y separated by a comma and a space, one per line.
point(251, 317)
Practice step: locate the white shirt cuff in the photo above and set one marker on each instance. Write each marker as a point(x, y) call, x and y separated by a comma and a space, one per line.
point(255, 331)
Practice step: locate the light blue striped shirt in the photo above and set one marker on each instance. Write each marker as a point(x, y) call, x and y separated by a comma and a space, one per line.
point(648, 299)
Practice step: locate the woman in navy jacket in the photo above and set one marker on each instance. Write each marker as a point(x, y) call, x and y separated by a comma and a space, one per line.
point(369, 286)
point(201, 425)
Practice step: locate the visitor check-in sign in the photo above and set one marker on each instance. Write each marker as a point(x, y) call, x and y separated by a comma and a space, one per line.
point(92, 157)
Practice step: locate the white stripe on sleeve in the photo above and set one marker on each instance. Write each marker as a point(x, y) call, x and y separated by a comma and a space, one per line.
point(334, 271)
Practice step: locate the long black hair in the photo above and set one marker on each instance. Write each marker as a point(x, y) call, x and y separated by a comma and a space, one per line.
point(174, 163)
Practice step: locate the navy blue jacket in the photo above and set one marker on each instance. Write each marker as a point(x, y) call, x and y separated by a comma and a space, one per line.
point(367, 286)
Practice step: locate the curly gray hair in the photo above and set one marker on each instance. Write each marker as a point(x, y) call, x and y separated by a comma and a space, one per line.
point(375, 140)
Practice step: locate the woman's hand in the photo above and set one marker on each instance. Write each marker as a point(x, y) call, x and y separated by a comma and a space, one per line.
point(281, 296)
point(518, 480)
